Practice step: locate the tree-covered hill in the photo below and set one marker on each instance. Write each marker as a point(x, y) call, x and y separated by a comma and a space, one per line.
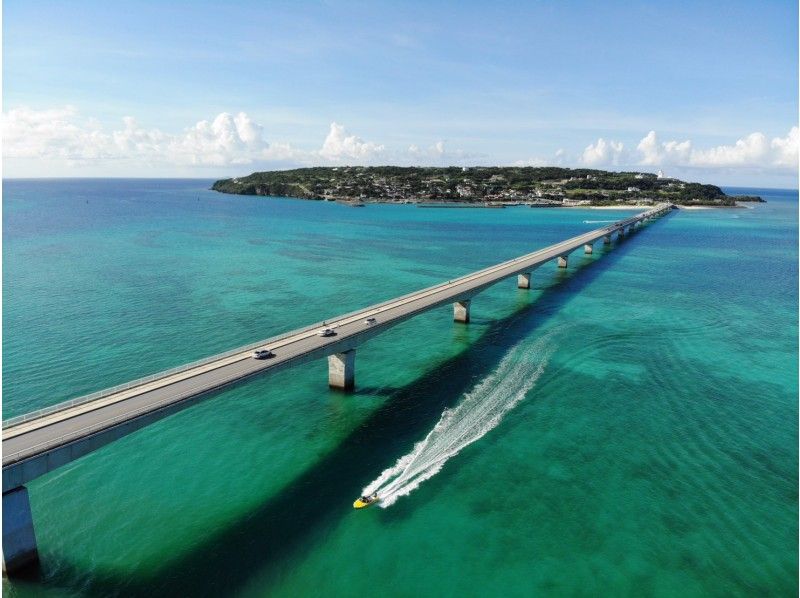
point(476, 184)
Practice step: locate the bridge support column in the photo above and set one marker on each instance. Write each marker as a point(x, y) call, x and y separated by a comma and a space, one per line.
point(461, 311)
point(621, 232)
point(562, 261)
point(587, 249)
point(19, 541)
point(607, 240)
point(342, 370)
point(524, 280)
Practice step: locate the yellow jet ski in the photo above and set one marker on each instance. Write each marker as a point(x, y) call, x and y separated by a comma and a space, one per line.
point(365, 501)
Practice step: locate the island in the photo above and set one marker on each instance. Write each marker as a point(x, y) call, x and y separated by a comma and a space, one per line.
point(479, 186)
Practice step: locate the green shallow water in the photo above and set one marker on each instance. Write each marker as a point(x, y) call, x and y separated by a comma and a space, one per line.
point(652, 451)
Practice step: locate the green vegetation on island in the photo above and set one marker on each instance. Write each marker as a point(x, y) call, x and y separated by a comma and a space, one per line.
point(479, 184)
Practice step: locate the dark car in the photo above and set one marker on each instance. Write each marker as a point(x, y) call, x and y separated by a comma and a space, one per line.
point(263, 354)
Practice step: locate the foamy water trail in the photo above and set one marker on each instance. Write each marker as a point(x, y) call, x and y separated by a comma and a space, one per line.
point(480, 410)
point(597, 221)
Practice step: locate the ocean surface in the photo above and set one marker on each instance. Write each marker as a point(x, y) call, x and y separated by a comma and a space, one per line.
point(629, 427)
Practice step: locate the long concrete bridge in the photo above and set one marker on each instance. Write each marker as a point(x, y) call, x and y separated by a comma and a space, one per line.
point(39, 442)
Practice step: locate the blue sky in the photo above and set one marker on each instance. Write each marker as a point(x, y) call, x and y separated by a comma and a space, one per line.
point(213, 89)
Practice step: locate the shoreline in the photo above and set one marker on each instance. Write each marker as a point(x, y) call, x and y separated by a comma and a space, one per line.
point(490, 205)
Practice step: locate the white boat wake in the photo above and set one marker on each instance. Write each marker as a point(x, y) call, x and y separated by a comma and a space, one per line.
point(480, 410)
point(597, 221)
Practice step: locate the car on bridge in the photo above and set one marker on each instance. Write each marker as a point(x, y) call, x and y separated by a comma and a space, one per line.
point(326, 332)
point(263, 354)
point(370, 321)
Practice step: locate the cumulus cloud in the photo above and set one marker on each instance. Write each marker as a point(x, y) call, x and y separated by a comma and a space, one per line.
point(655, 153)
point(755, 150)
point(49, 133)
point(785, 150)
point(602, 153)
point(63, 137)
point(225, 140)
point(338, 146)
point(63, 134)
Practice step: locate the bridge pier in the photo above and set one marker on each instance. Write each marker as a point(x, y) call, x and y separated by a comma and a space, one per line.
point(342, 370)
point(621, 232)
point(587, 249)
point(461, 311)
point(524, 280)
point(562, 261)
point(19, 541)
point(607, 240)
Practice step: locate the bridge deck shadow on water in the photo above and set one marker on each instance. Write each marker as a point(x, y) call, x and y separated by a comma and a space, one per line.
point(288, 522)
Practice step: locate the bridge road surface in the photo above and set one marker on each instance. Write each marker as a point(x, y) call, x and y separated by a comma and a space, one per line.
point(39, 436)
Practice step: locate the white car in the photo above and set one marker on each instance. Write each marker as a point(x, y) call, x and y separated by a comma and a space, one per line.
point(263, 354)
point(326, 332)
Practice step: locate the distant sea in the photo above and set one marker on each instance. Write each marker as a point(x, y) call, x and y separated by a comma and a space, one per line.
point(629, 427)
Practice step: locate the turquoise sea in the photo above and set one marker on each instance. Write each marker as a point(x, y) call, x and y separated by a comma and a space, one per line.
point(629, 427)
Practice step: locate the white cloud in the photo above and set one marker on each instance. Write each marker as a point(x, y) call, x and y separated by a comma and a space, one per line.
point(130, 140)
point(785, 149)
point(225, 140)
point(48, 133)
point(654, 153)
point(61, 141)
point(602, 153)
point(63, 134)
point(750, 150)
point(338, 146)
point(753, 151)
point(62, 137)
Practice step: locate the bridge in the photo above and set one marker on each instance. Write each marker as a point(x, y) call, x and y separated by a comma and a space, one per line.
point(39, 442)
